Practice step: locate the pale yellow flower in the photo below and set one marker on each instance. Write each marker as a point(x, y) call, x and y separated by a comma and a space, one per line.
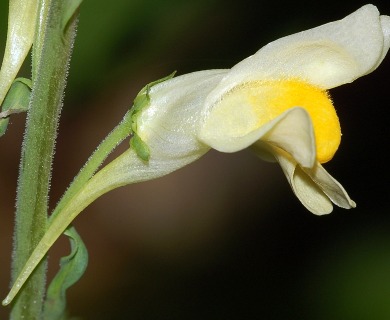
point(275, 101)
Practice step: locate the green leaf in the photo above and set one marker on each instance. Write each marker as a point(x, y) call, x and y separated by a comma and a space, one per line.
point(72, 267)
point(69, 11)
point(16, 100)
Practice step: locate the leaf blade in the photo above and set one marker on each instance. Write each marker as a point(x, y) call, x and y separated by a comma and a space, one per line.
point(16, 101)
point(72, 267)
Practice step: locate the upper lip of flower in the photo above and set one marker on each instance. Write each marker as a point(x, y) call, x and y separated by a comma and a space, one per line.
point(325, 57)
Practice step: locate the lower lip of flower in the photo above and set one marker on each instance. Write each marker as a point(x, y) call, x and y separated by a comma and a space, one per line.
point(247, 107)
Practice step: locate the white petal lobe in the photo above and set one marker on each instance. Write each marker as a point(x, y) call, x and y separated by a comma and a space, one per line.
point(314, 187)
point(326, 56)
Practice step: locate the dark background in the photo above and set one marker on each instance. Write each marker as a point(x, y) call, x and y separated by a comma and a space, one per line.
point(223, 238)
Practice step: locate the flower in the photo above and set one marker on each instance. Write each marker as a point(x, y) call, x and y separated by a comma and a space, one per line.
point(275, 101)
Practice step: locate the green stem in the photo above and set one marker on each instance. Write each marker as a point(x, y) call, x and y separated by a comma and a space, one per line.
point(51, 58)
point(116, 136)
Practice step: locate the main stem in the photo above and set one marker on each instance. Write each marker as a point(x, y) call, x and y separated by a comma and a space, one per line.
point(51, 57)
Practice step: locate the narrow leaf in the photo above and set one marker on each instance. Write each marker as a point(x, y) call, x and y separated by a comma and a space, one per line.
point(72, 267)
point(69, 11)
point(16, 100)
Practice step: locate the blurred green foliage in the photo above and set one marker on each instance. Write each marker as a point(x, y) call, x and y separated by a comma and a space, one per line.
point(127, 36)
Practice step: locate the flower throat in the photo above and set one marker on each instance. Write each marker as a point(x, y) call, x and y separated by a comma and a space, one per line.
point(266, 100)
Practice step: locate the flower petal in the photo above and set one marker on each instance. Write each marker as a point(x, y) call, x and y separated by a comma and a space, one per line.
point(169, 125)
point(310, 195)
point(330, 186)
point(292, 131)
point(385, 23)
point(294, 134)
point(314, 187)
point(326, 56)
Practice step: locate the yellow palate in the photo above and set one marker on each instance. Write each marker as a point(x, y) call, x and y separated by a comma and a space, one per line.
point(265, 100)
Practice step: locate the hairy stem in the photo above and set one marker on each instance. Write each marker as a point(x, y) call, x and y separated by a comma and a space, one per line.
point(50, 63)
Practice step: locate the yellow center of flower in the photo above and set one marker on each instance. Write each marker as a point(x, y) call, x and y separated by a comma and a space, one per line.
point(265, 100)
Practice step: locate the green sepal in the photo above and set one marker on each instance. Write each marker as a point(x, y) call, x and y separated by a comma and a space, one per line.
point(140, 147)
point(72, 267)
point(16, 101)
point(141, 101)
